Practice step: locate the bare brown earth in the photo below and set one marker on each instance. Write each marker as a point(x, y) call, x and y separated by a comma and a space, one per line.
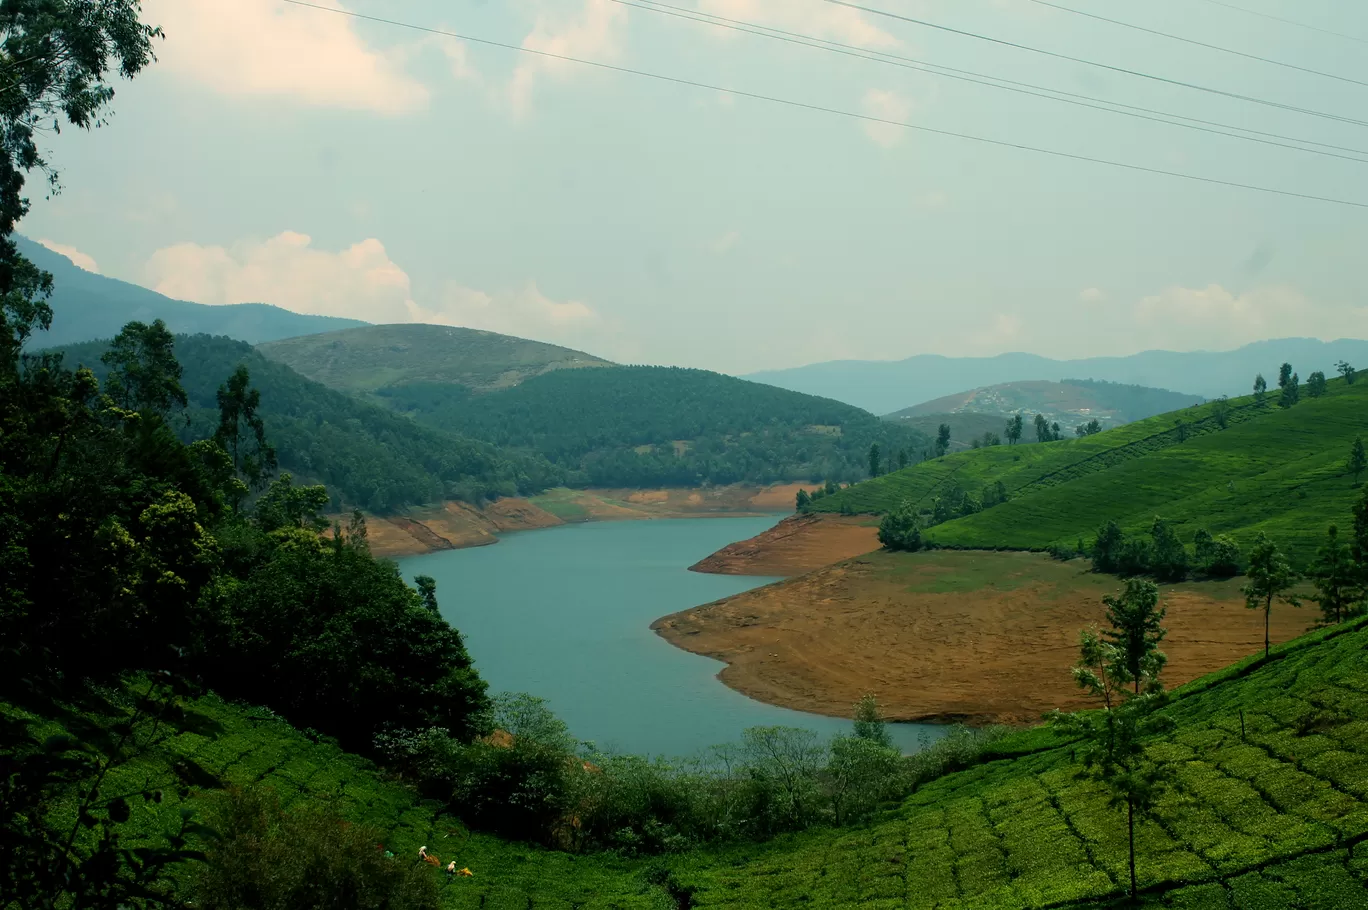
point(455, 525)
point(798, 544)
point(977, 637)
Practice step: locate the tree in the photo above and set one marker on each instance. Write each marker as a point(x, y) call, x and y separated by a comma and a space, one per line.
point(1260, 387)
point(869, 722)
point(1338, 579)
point(1136, 630)
point(902, 459)
point(1013, 431)
point(1042, 429)
point(874, 460)
point(241, 431)
point(1220, 409)
point(1182, 428)
point(901, 529)
point(1106, 550)
point(942, 439)
point(1316, 384)
point(1167, 558)
point(1358, 459)
point(1284, 375)
point(1091, 428)
point(1218, 557)
point(804, 501)
point(1291, 392)
point(144, 375)
point(991, 439)
point(427, 590)
point(1347, 371)
point(1270, 578)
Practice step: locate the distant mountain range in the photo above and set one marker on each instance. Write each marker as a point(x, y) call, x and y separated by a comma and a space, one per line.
point(87, 306)
point(886, 386)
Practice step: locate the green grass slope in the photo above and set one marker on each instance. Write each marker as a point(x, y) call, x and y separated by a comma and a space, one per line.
point(653, 426)
point(370, 358)
point(1269, 812)
point(1272, 469)
point(368, 456)
point(965, 426)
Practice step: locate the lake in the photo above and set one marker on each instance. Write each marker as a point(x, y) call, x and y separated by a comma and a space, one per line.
point(565, 614)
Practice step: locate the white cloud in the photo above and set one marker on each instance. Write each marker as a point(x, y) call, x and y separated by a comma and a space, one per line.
point(726, 242)
point(76, 256)
point(360, 282)
point(1091, 295)
point(596, 33)
point(809, 17)
point(266, 48)
point(1214, 317)
point(1004, 331)
point(886, 105)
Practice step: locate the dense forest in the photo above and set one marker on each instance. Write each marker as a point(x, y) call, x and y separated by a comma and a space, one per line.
point(368, 456)
point(666, 426)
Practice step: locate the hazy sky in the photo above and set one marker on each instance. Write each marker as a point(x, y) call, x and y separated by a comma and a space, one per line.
point(329, 165)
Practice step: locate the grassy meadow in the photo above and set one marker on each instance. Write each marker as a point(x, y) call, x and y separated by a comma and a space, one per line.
point(1269, 469)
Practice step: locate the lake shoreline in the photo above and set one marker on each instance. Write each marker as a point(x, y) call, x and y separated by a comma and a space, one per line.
point(454, 525)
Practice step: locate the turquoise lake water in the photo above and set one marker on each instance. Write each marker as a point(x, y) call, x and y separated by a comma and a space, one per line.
point(565, 614)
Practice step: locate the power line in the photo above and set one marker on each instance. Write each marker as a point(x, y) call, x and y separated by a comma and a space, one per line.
point(1314, 28)
point(1105, 66)
point(1025, 88)
point(803, 105)
point(1196, 43)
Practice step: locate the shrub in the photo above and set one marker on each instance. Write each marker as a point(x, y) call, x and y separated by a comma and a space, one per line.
point(901, 529)
point(268, 859)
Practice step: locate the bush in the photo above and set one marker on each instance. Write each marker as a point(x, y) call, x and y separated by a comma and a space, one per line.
point(269, 859)
point(901, 529)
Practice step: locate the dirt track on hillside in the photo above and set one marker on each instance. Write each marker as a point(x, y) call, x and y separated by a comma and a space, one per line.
point(949, 636)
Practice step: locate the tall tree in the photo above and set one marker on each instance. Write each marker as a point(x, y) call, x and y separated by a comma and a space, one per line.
point(1337, 577)
point(943, 439)
point(803, 501)
point(1042, 429)
point(1168, 557)
point(1291, 392)
point(1137, 628)
point(1220, 409)
point(1358, 459)
point(1284, 375)
point(144, 374)
point(1270, 578)
point(1260, 387)
point(1014, 428)
point(869, 722)
point(1316, 384)
point(874, 460)
point(241, 431)
point(427, 590)
point(1345, 369)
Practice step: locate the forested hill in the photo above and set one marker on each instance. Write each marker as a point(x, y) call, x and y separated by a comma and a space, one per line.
point(368, 456)
point(365, 359)
point(656, 426)
point(1280, 464)
point(87, 306)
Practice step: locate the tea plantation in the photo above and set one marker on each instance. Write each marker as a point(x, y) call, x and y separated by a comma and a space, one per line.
point(1279, 470)
point(1269, 811)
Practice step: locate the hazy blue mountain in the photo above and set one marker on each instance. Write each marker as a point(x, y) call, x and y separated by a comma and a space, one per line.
point(87, 306)
point(884, 386)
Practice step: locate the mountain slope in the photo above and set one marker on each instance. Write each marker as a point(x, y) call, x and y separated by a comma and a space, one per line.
point(370, 358)
point(665, 426)
point(87, 306)
point(368, 456)
point(1272, 469)
point(887, 386)
point(1071, 402)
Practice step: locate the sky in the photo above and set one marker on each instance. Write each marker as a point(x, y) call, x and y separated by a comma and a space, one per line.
point(334, 165)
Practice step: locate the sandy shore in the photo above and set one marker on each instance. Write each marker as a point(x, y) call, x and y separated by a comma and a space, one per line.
point(456, 525)
point(797, 545)
point(949, 636)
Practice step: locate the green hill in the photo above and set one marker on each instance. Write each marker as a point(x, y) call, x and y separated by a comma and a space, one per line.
point(368, 456)
point(1269, 811)
point(652, 426)
point(965, 426)
point(1071, 403)
point(372, 358)
point(1272, 469)
point(87, 306)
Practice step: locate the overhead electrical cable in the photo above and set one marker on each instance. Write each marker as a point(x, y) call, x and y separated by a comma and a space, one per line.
point(1314, 28)
point(1025, 88)
point(803, 105)
point(1094, 63)
point(1196, 43)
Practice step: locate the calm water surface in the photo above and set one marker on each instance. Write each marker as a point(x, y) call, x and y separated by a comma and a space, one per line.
point(565, 614)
